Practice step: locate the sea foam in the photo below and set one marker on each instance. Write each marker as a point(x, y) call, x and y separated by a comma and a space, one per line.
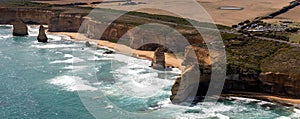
point(68, 61)
point(72, 83)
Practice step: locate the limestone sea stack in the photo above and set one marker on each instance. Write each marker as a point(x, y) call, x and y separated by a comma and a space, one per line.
point(19, 28)
point(42, 37)
point(194, 79)
point(158, 61)
point(88, 44)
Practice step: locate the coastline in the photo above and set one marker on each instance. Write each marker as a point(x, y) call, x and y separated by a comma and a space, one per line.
point(280, 100)
point(171, 59)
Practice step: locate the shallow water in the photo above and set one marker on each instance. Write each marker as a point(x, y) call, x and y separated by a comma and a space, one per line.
point(64, 79)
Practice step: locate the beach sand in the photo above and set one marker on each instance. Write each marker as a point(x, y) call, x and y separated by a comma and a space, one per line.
point(171, 59)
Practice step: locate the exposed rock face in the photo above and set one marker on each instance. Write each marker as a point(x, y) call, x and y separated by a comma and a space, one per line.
point(281, 84)
point(242, 82)
point(271, 83)
point(65, 22)
point(153, 47)
point(195, 54)
point(158, 61)
point(19, 28)
point(195, 78)
point(42, 37)
point(56, 19)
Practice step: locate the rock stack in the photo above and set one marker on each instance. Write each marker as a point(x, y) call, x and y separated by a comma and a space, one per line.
point(88, 44)
point(158, 61)
point(19, 28)
point(42, 37)
point(195, 77)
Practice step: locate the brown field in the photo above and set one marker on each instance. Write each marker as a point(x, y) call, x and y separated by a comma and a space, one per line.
point(66, 1)
point(293, 14)
point(251, 8)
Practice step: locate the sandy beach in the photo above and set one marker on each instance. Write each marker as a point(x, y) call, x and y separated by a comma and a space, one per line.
point(171, 59)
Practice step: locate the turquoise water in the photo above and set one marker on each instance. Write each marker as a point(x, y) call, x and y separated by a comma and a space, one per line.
point(64, 79)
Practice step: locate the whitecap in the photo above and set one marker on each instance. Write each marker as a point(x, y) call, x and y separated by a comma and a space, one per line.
point(5, 36)
point(283, 117)
point(296, 114)
point(33, 30)
point(75, 68)
point(54, 37)
point(53, 46)
point(72, 83)
point(68, 55)
point(68, 61)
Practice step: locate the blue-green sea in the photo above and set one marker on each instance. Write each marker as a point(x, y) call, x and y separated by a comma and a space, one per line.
point(64, 79)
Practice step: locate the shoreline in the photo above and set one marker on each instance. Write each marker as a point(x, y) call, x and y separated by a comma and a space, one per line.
point(171, 59)
point(278, 100)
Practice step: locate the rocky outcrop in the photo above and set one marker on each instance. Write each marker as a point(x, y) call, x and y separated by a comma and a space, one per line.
point(195, 78)
point(158, 61)
point(153, 47)
point(271, 83)
point(281, 84)
point(198, 55)
point(88, 44)
point(55, 18)
point(42, 37)
point(19, 28)
point(65, 22)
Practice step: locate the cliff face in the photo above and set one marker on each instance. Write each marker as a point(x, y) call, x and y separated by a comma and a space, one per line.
point(281, 84)
point(238, 80)
point(195, 77)
point(56, 20)
point(65, 22)
point(59, 20)
point(28, 15)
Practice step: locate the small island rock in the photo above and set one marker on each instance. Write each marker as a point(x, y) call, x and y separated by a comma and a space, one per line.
point(19, 28)
point(42, 37)
point(158, 61)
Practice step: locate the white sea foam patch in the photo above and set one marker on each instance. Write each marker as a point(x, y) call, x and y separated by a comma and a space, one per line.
point(5, 36)
point(205, 110)
point(248, 100)
point(68, 56)
point(55, 37)
point(33, 30)
point(53, 46)
point(68, 61)
point(138, 81)
point(75, 68)
point(72, 83)
point(296, 114)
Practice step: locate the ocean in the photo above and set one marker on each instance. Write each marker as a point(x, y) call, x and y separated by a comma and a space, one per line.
point(64, 79)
